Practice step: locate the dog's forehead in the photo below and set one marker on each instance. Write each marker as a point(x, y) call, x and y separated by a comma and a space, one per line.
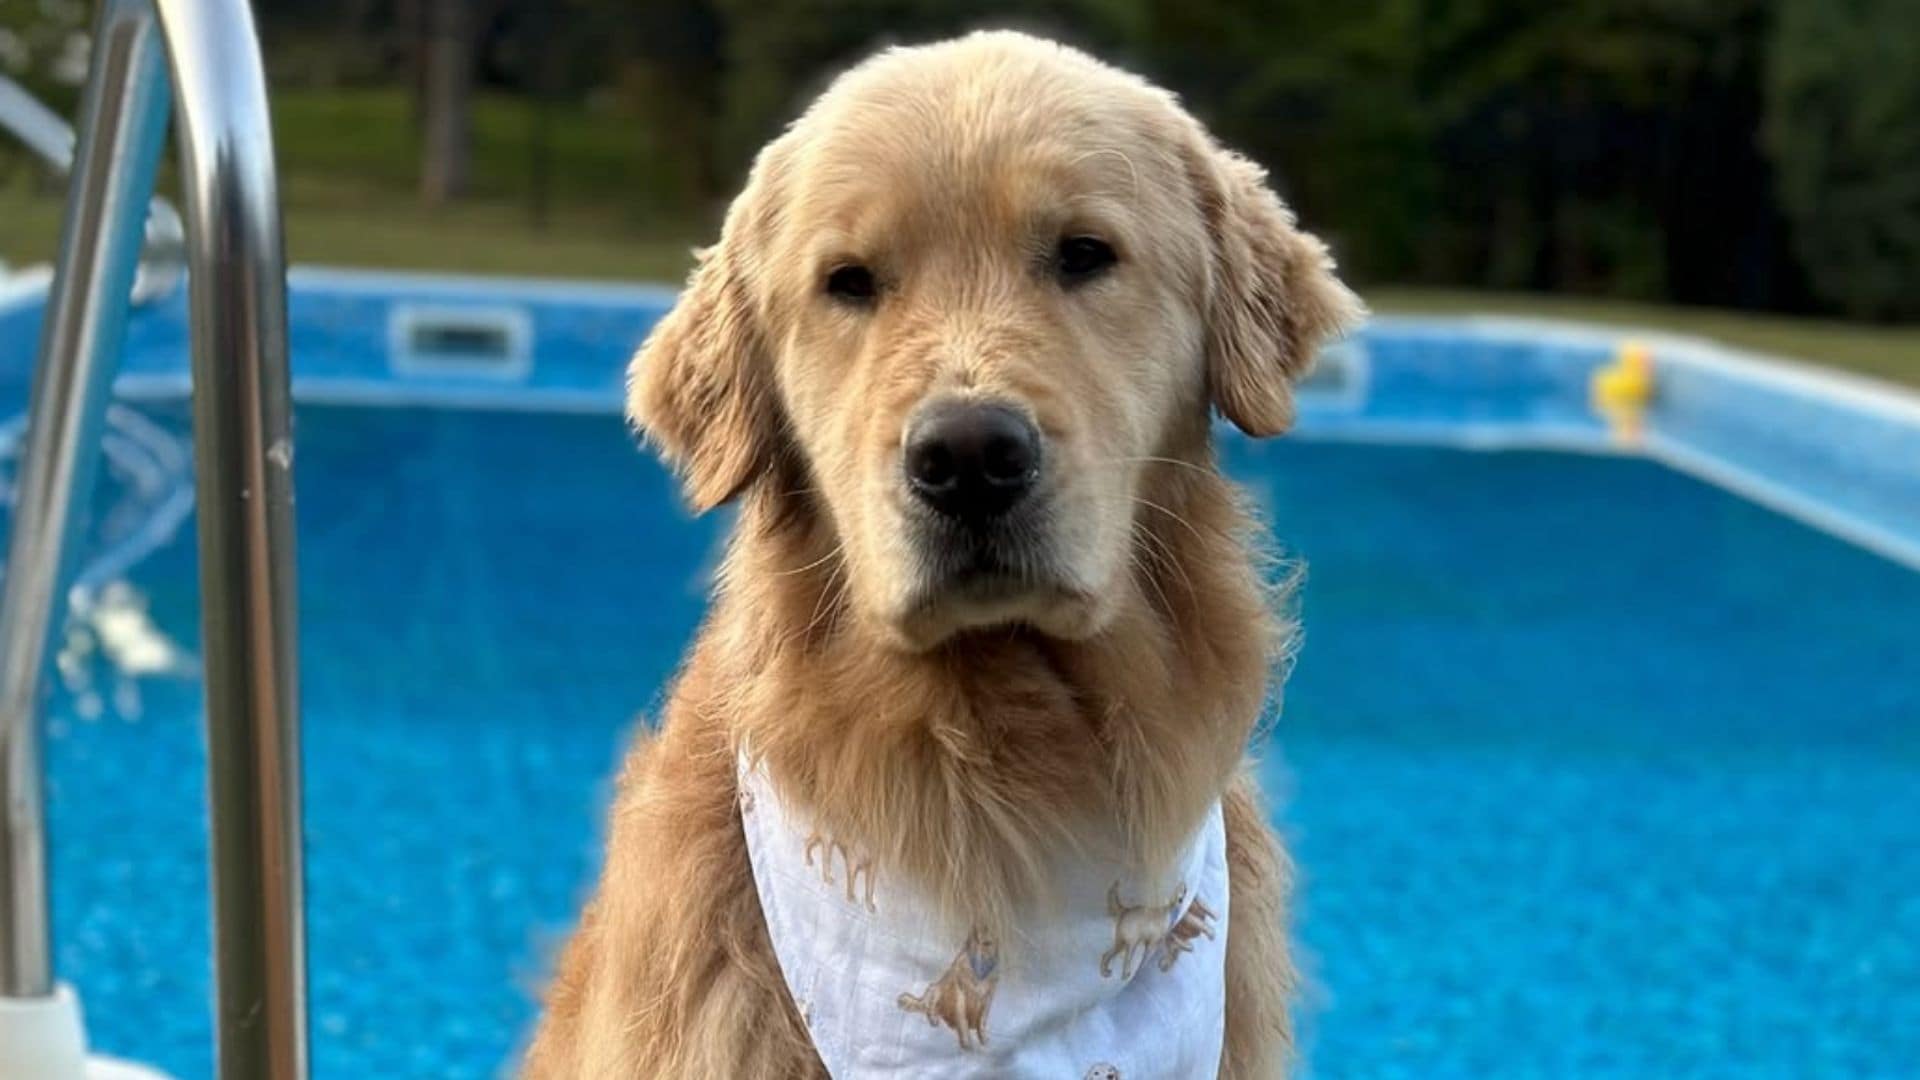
point(1009, 180)
point(996, 138)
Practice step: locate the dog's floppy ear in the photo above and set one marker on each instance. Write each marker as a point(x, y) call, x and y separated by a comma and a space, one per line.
point(701, 387)
point(1273, 294)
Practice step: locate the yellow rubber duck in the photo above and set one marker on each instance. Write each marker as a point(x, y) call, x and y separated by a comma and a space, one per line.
point(1623, 390)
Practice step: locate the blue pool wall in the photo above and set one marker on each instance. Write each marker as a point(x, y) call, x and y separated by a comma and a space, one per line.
point(1839, 452)
point(22, 298)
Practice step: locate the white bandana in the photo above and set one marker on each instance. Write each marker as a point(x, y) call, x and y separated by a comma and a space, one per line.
point(1123, 980)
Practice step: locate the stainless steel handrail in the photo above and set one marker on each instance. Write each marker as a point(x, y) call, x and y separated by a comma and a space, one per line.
point(124, 112)
point(243, 464)
point(41, 130)
point(243, 469)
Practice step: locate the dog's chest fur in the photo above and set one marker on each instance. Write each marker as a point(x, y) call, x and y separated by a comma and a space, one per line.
point(1118, 973)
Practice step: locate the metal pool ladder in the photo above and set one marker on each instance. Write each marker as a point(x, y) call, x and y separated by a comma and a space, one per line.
point(243, 458)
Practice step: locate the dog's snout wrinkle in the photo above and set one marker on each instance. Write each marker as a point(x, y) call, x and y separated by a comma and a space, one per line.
point(971, 461)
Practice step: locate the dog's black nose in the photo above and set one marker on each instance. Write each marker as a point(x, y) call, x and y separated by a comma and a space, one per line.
point(971, 461)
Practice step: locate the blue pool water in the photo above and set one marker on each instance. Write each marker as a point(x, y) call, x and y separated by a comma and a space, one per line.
point(1591, 769)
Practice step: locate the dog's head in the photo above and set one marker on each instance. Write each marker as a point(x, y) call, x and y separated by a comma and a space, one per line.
point(982, 951)
point(969, 300)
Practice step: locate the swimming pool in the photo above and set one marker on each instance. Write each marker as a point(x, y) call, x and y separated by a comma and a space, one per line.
point(1592, 768)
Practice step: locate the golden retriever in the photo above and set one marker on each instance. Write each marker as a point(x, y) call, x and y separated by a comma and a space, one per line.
point(961, 996)
point(1139, 929)
point(987, 596)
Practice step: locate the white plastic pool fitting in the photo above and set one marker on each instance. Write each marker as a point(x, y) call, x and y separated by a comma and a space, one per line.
point(41, 1038)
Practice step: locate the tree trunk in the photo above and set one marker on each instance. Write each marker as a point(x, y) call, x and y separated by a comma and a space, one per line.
point(447, 148)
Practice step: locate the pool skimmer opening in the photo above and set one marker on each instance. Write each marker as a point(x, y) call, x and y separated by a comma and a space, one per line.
point(494, 343)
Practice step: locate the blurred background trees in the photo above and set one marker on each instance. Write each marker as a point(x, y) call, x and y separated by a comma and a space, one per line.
point(1760, 154)
point(1843, 132)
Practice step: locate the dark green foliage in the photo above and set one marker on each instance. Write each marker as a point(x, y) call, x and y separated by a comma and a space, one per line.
point(1586, 145)
point(1843, 125)
point(1745, 153)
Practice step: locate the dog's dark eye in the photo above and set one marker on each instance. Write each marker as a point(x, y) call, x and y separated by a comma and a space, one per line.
point(1083, 258)
point(851, 284)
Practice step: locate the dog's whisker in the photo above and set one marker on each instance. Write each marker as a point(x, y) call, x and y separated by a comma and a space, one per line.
point(837, 549)
point(1164, 558)
point(832, 588)
point(835, 591)
point(1184, 523)
point(1152, 460)
point(1150, 577)
point(828, 597)
point(1158, 460)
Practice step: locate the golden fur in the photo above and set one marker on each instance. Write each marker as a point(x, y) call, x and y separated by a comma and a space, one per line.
point(961, 740)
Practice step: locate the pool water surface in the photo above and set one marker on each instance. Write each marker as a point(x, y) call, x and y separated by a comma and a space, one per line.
point(1590, 768)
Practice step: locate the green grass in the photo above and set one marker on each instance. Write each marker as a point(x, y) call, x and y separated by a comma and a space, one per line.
point(349, 180)
point(476, 237)
point(486, 239)
point(336, 145)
